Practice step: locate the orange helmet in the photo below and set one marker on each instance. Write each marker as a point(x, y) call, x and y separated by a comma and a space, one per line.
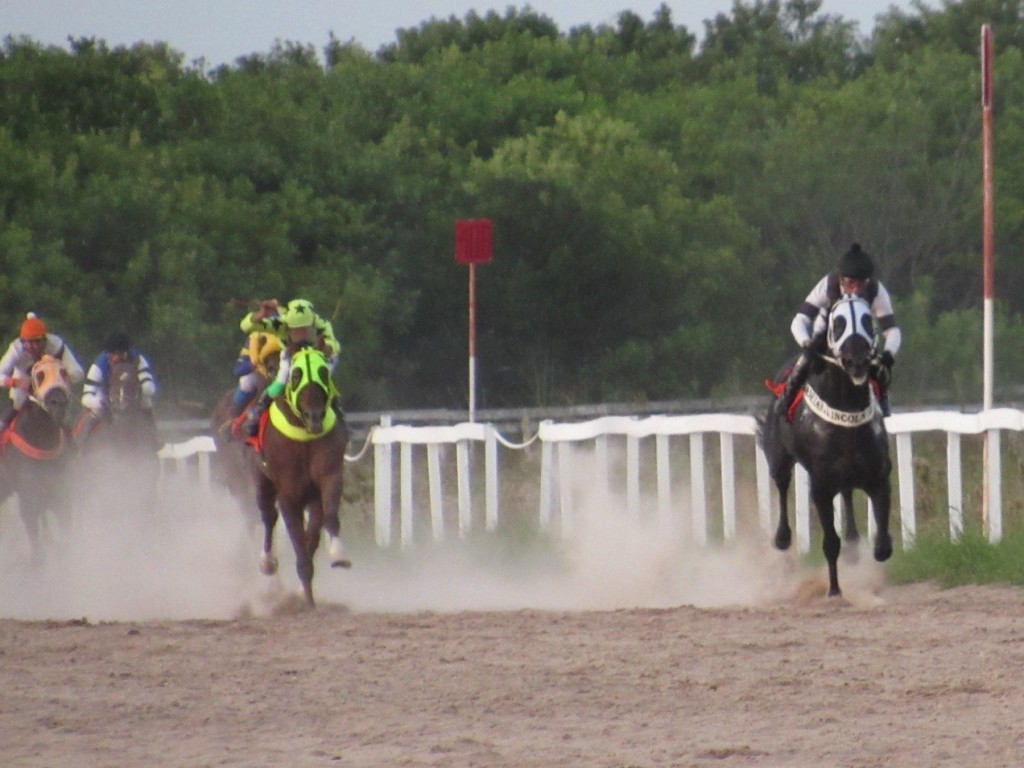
point(32, 327)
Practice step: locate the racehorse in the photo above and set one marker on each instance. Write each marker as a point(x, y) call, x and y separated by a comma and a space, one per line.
point(35, 453)
point(303, 445)
point(838, 435)
point(124, 442)
point(233, 463)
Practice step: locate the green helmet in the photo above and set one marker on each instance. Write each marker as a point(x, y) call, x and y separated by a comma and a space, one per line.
point(298, 314)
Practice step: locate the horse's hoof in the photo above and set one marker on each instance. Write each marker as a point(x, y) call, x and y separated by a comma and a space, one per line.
point(837, 592)
point(883, 549)
point(783, 541)
point(336, 554)
point(268, 564)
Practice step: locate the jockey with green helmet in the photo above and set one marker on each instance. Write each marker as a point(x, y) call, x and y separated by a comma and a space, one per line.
point(298, 323)
point(853, 276)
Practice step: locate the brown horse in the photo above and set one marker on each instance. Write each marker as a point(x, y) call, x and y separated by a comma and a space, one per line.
point(303, 445)
point(125, 441)
point(233, 462)
point(35, 453)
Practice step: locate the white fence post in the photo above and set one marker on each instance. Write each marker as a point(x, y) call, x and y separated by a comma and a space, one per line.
point(558, 459)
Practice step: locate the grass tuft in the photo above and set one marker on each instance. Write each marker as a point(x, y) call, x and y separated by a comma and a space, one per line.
point(971, 560)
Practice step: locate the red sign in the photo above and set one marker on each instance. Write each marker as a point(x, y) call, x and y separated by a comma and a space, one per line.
point(473, 241)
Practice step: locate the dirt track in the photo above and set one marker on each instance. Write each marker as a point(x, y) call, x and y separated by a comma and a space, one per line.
point(150, 638)
point(926, 678)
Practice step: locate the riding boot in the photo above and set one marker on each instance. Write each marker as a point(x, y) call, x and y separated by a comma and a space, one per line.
point(252, 421)
point(794, 382)
point(239, 399)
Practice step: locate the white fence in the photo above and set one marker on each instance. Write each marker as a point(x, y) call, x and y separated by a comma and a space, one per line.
point(562, 446)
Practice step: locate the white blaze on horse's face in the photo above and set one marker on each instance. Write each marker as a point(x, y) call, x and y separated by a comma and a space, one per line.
point(851, 336)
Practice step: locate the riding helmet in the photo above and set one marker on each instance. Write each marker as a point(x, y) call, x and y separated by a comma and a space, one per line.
point(32, 327)
point(117, 341)
point(298, 314)
point(856, 264)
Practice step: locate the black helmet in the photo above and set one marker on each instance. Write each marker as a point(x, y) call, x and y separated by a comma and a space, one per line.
point(856, 264)
point(117, 341)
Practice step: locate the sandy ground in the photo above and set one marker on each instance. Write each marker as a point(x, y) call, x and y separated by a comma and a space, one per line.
point(145, 642)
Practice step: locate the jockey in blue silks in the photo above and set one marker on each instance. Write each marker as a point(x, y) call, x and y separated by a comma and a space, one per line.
point(117, 348)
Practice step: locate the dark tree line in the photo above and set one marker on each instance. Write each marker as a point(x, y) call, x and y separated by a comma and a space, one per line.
point(660, 206)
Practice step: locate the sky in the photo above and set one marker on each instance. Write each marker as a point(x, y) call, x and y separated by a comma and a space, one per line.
point(220, 31)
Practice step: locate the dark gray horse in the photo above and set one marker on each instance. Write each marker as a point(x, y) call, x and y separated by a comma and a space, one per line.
point(837, 433)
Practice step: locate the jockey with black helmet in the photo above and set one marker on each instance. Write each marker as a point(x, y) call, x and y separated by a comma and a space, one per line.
point(117, 348)
point(853, 276)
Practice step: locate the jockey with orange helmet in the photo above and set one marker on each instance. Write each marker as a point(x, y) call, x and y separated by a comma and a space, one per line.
point(853, 276)
point(298, 323)
point(34, 341)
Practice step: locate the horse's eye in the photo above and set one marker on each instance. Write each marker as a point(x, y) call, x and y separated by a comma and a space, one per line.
point(838, 327)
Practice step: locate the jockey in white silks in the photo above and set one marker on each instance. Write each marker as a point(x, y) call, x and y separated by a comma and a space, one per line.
point(853, 276)
point(34, 341)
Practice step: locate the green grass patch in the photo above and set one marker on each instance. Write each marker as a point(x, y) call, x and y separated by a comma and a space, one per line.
point(971, 560)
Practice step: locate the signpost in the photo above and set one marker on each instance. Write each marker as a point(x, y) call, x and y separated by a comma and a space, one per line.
point(473, 238)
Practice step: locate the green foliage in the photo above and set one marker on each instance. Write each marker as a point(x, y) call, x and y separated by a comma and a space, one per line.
point(660, 208)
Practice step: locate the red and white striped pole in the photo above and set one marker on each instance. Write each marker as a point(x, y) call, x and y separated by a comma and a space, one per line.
point(987, 229)
point(991, 508)
point(473, 245)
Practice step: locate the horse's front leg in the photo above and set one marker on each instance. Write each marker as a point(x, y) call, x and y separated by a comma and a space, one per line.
point(32, 518)
point(294, 514)
point(830, 543)
point(330, 495)
point(266, 500)
point(851, 536)
point(782, 475)
point(850, 532)
point(881, 501)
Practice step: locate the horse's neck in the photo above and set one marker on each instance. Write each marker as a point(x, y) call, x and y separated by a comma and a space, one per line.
point(834, 386)
point(37, 427)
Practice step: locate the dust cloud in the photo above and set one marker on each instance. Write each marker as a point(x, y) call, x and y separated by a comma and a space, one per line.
point(192, 554)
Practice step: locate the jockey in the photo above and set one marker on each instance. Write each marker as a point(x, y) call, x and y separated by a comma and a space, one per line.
point(297, 324)
point(117, 348)
point(252, 369)
point(853, 277)
point(32, 343)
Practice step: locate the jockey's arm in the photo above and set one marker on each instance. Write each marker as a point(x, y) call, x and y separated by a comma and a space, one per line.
point(8, 363)
point(805, 323)
point(94, 396)
point(881, 308)
point(147, 383)
point(67, 358)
